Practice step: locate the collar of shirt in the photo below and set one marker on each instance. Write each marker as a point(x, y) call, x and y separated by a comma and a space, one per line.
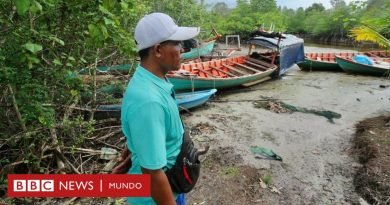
point(163, 84)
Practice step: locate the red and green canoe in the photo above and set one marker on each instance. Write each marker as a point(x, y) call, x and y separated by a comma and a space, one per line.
point(381, 66)
point(327, 61)
point(221, 73)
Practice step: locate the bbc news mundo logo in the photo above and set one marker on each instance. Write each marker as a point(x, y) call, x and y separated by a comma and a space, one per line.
point(78, 185)
point(33, 186)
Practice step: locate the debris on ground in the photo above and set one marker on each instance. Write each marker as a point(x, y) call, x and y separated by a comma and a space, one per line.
point(281, 107)
point(372, 146)
point(202, 128)
point(268, 153)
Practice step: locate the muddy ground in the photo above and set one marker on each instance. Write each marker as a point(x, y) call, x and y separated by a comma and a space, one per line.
point(318, 166)
point(372, 146)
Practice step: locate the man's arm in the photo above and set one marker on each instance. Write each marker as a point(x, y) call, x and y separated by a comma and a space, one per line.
point(161, 190)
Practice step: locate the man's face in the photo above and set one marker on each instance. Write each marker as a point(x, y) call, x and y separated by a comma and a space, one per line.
point(170, 55)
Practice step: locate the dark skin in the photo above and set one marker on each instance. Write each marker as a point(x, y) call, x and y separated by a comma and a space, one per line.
point(161, 59)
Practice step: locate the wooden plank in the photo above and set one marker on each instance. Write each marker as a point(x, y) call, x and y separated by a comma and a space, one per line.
point(246, 67)
point(208, 73)
point(256, 82)
point(222, 71)
point(259, 62)
point(235, 69)
point(258, 66)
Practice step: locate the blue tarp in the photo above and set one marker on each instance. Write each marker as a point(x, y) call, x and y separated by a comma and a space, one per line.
point(362, 59)
point(291, 50)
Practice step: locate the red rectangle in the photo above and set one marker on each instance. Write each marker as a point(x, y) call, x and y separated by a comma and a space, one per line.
point(78, 185)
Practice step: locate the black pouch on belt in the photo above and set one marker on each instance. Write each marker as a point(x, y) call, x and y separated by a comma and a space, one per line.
point(185, 173)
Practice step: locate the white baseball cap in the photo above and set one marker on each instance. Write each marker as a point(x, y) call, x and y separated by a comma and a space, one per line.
point(158, 27)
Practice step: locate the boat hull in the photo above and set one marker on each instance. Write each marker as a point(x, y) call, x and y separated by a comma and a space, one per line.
point(312, 65)
point(221, 73)
point(181, 83)
point(197, 52)
point(353, 67)
point(184, 101)
point(193, 99)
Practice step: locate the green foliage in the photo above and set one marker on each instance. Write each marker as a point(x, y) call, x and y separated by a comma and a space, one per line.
point(374, 25)
point(42, 42)
point(263, 6)
point(267, 179)
point(22, 6)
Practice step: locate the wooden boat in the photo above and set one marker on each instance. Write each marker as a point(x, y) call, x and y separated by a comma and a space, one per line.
point(322, 61)
point(327, 61)
point(221, 73)
point(283, 50)
point(381, 66)
point(203, 50)
point(184, 101)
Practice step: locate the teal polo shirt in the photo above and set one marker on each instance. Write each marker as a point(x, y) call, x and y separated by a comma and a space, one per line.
point(151, 123)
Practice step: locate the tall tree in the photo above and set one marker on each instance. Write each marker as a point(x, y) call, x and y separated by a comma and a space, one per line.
point(337, 3)
point(221, 8)
point(315, 7)
point(263, 5)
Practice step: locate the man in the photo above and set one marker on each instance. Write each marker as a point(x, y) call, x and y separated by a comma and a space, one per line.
point(150, 116)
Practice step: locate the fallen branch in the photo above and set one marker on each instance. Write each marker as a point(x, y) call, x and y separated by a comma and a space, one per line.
point(90, 151)
point(70, 201)
point(16, 107)
point(110, 134)
point(60, 163)
point(64, 159)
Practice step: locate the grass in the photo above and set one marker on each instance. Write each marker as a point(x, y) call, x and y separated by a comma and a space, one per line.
point(229, 171)
point(267, 179)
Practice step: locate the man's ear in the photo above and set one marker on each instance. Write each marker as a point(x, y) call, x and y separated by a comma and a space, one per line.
point(157, 50)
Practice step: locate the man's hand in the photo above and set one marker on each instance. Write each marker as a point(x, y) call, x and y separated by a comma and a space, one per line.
point(161, 190)
point(124, 163)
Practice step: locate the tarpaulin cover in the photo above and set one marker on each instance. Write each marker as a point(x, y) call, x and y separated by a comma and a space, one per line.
point(291, 49)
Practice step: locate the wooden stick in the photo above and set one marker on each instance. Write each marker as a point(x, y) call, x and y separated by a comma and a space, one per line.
point(110, 134)
point(247, 67)
point(16, 107)
point(60, 163)
point(185, 109)
point(94, 85)
point(208, 73)
point(234, 69)
point(258, 66)
point(63, 158)
point(70, 201)
point(222, 71)
point(259, 62)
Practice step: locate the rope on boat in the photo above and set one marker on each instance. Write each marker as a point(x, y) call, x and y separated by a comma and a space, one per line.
point(192, 83)
point(311, 65)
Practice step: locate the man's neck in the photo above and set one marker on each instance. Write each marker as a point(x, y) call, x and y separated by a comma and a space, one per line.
point(154, 69)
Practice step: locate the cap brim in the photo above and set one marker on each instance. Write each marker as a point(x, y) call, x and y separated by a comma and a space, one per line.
point(184, 33)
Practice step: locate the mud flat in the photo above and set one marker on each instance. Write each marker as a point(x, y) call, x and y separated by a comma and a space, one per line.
point(317, 166)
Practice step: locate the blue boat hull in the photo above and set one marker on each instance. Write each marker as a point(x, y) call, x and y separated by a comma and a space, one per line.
point(194, 99)
point(184, 101)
